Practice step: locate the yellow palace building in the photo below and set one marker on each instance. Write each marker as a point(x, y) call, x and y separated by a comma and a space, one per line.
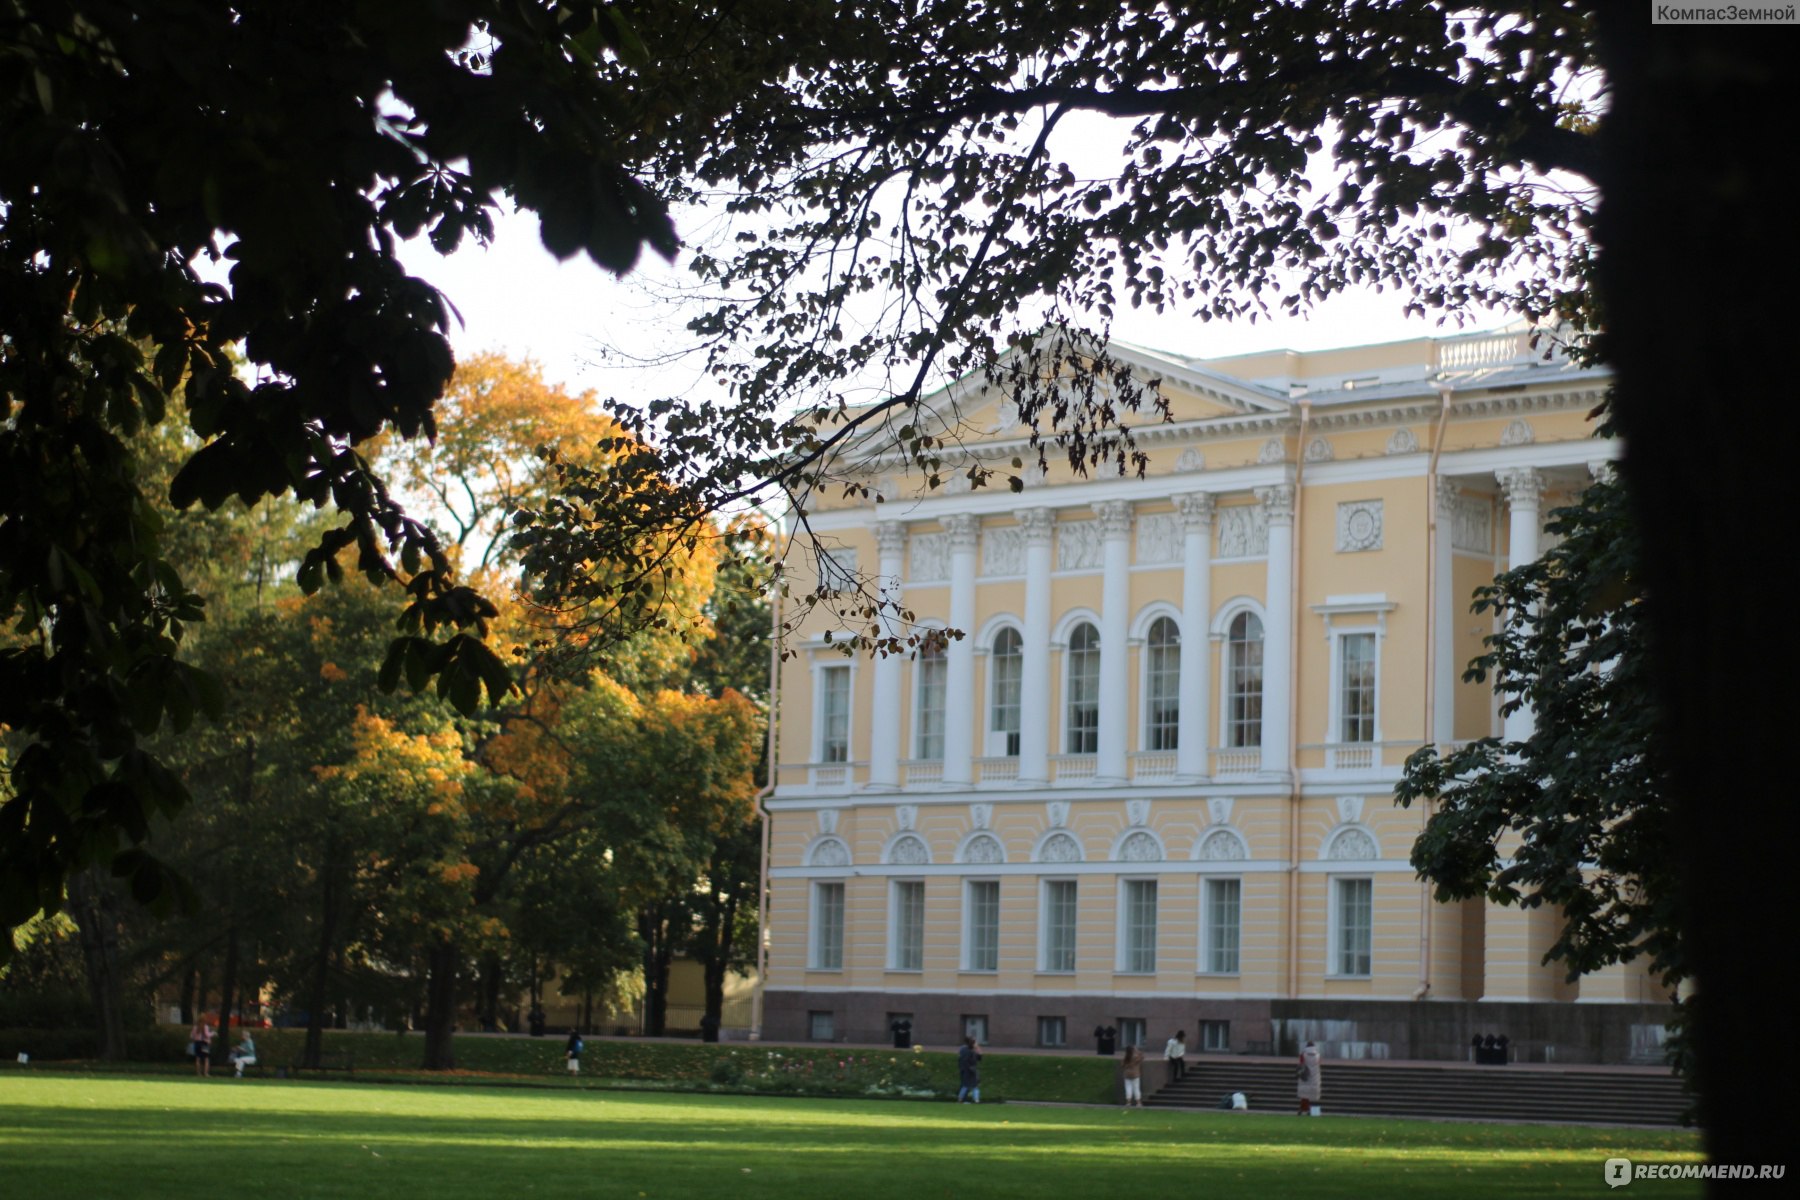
point(1152, 787)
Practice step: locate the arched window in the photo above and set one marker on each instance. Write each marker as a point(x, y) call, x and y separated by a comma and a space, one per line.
point(1162, 686)
point(1008, 664)
point(1244, 686)
point(928, 743)
point(1083, 691)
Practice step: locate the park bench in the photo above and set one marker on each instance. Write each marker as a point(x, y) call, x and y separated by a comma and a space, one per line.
point(343, 1063)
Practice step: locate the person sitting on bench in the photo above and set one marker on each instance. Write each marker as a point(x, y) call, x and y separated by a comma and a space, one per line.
point(244, 1054)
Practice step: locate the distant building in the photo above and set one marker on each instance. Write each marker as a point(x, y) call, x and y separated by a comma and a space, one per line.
point(1152, 788)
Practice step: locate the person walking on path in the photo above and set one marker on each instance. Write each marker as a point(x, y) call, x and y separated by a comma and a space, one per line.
point(200, 1039)
point(572, 1051)
point(1133, 1069)
point(1307, 1079)
point(1176, 1053)
point(968, 1068)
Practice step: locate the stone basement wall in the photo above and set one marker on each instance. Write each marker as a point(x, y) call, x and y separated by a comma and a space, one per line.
point(1431, 1030)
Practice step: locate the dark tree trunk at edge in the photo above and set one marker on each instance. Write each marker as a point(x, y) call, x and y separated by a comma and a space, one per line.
point(1700, 259)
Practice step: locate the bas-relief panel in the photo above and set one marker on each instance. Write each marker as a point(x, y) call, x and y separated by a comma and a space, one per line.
point(1243, 531)
point(1078, 546)
point(1358, 526)
point(1472, 524)
point(1003, 551)
point(930, 558)
point(1159, 539)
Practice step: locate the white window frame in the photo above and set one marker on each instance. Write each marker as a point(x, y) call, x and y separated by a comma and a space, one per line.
point(1062, 1033)
point(1044, 966)
point(1207, 947)
point(1335, 608)
point(1068, 689)
point(968, 924)
point(815, 959)
point(942, 662)
point(995, 740)
point(1145, 699)
point(893, 939)
point(819, 671)
point(1335, 928)
point(1123, 964)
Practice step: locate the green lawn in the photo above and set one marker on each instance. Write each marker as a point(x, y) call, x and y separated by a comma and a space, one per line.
point(96, 1136)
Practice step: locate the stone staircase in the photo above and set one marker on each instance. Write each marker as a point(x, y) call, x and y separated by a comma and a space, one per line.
point(1587, 1095)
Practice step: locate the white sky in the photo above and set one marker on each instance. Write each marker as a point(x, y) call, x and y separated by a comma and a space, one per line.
point(516, 298)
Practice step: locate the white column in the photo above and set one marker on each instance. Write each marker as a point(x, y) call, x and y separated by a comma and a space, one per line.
point(1445, 669)
point(1278, 621)
point(959, 681)
point(1514, 939)
point(1196, 640)
point(1115, 623)
point(1039, 526)
point(1524, 488)
point(884, 726)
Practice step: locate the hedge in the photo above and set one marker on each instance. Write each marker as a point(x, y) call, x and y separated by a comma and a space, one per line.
point(757, 1068)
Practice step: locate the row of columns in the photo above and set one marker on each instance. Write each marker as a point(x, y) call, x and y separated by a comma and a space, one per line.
point(964, 719)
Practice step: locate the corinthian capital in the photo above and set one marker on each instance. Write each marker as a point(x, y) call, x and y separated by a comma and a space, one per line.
point(965, 531)
point(1196, 508)
point(1278, 502)
point(1038, 524)
point(1524, 486)
point(1115, 518)
point(1449, 492)
point(890, 538)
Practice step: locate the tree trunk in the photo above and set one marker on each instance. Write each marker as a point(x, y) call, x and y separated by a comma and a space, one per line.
point(221, 1049)
point(653, 931)
point(720, 941)
point(188, 977)
point(328, 922)
point(1699, 254)
point(97, 920)
point(440, 1005)
point(491, 975)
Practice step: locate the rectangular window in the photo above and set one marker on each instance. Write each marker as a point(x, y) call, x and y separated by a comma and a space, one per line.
point(975, 1026)
point(828, 926)
point(1053, 1032)
point(1356, 687)
point(1221, 924)
point(1139, 941)
point(981, 904)
point(834, 714)
point(820, 1027)
point(933, 670)
point(981, 901)
point(1059, 925)
point(1355, 926)
point(1215, 1037)
point(1131, 1032)
point(909, 926)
